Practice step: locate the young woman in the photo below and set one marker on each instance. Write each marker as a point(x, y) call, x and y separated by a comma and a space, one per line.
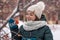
point(34, 29)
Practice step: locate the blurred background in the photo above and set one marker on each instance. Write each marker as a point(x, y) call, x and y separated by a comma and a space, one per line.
point(52, 9)
point(51, 12)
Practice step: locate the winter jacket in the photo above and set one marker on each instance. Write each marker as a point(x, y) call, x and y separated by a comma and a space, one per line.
point(43, 18)
point(42, 33)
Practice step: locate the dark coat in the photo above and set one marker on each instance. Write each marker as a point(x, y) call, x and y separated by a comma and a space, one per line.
point(43, 18)
point(42, 33)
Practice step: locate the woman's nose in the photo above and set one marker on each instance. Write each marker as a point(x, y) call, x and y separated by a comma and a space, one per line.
point(27, 16)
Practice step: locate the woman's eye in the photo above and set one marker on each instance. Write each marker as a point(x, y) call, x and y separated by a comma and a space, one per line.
point(31, 14)
point(27, 14)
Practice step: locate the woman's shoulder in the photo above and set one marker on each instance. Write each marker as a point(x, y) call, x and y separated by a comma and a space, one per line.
point(46, 27)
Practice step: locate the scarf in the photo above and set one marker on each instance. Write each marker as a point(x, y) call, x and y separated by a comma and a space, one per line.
point(33, 25)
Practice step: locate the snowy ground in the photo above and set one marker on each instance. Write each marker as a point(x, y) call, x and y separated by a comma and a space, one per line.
point(5, 31)
point(55, 31)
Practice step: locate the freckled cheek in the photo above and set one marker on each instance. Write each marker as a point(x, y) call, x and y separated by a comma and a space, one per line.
point(32, 17)
point(27, 17)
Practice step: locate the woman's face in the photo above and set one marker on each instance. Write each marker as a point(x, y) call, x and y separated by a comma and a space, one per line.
point(30, 16)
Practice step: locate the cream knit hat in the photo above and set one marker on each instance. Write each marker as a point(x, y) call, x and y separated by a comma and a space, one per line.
point(37, 9)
